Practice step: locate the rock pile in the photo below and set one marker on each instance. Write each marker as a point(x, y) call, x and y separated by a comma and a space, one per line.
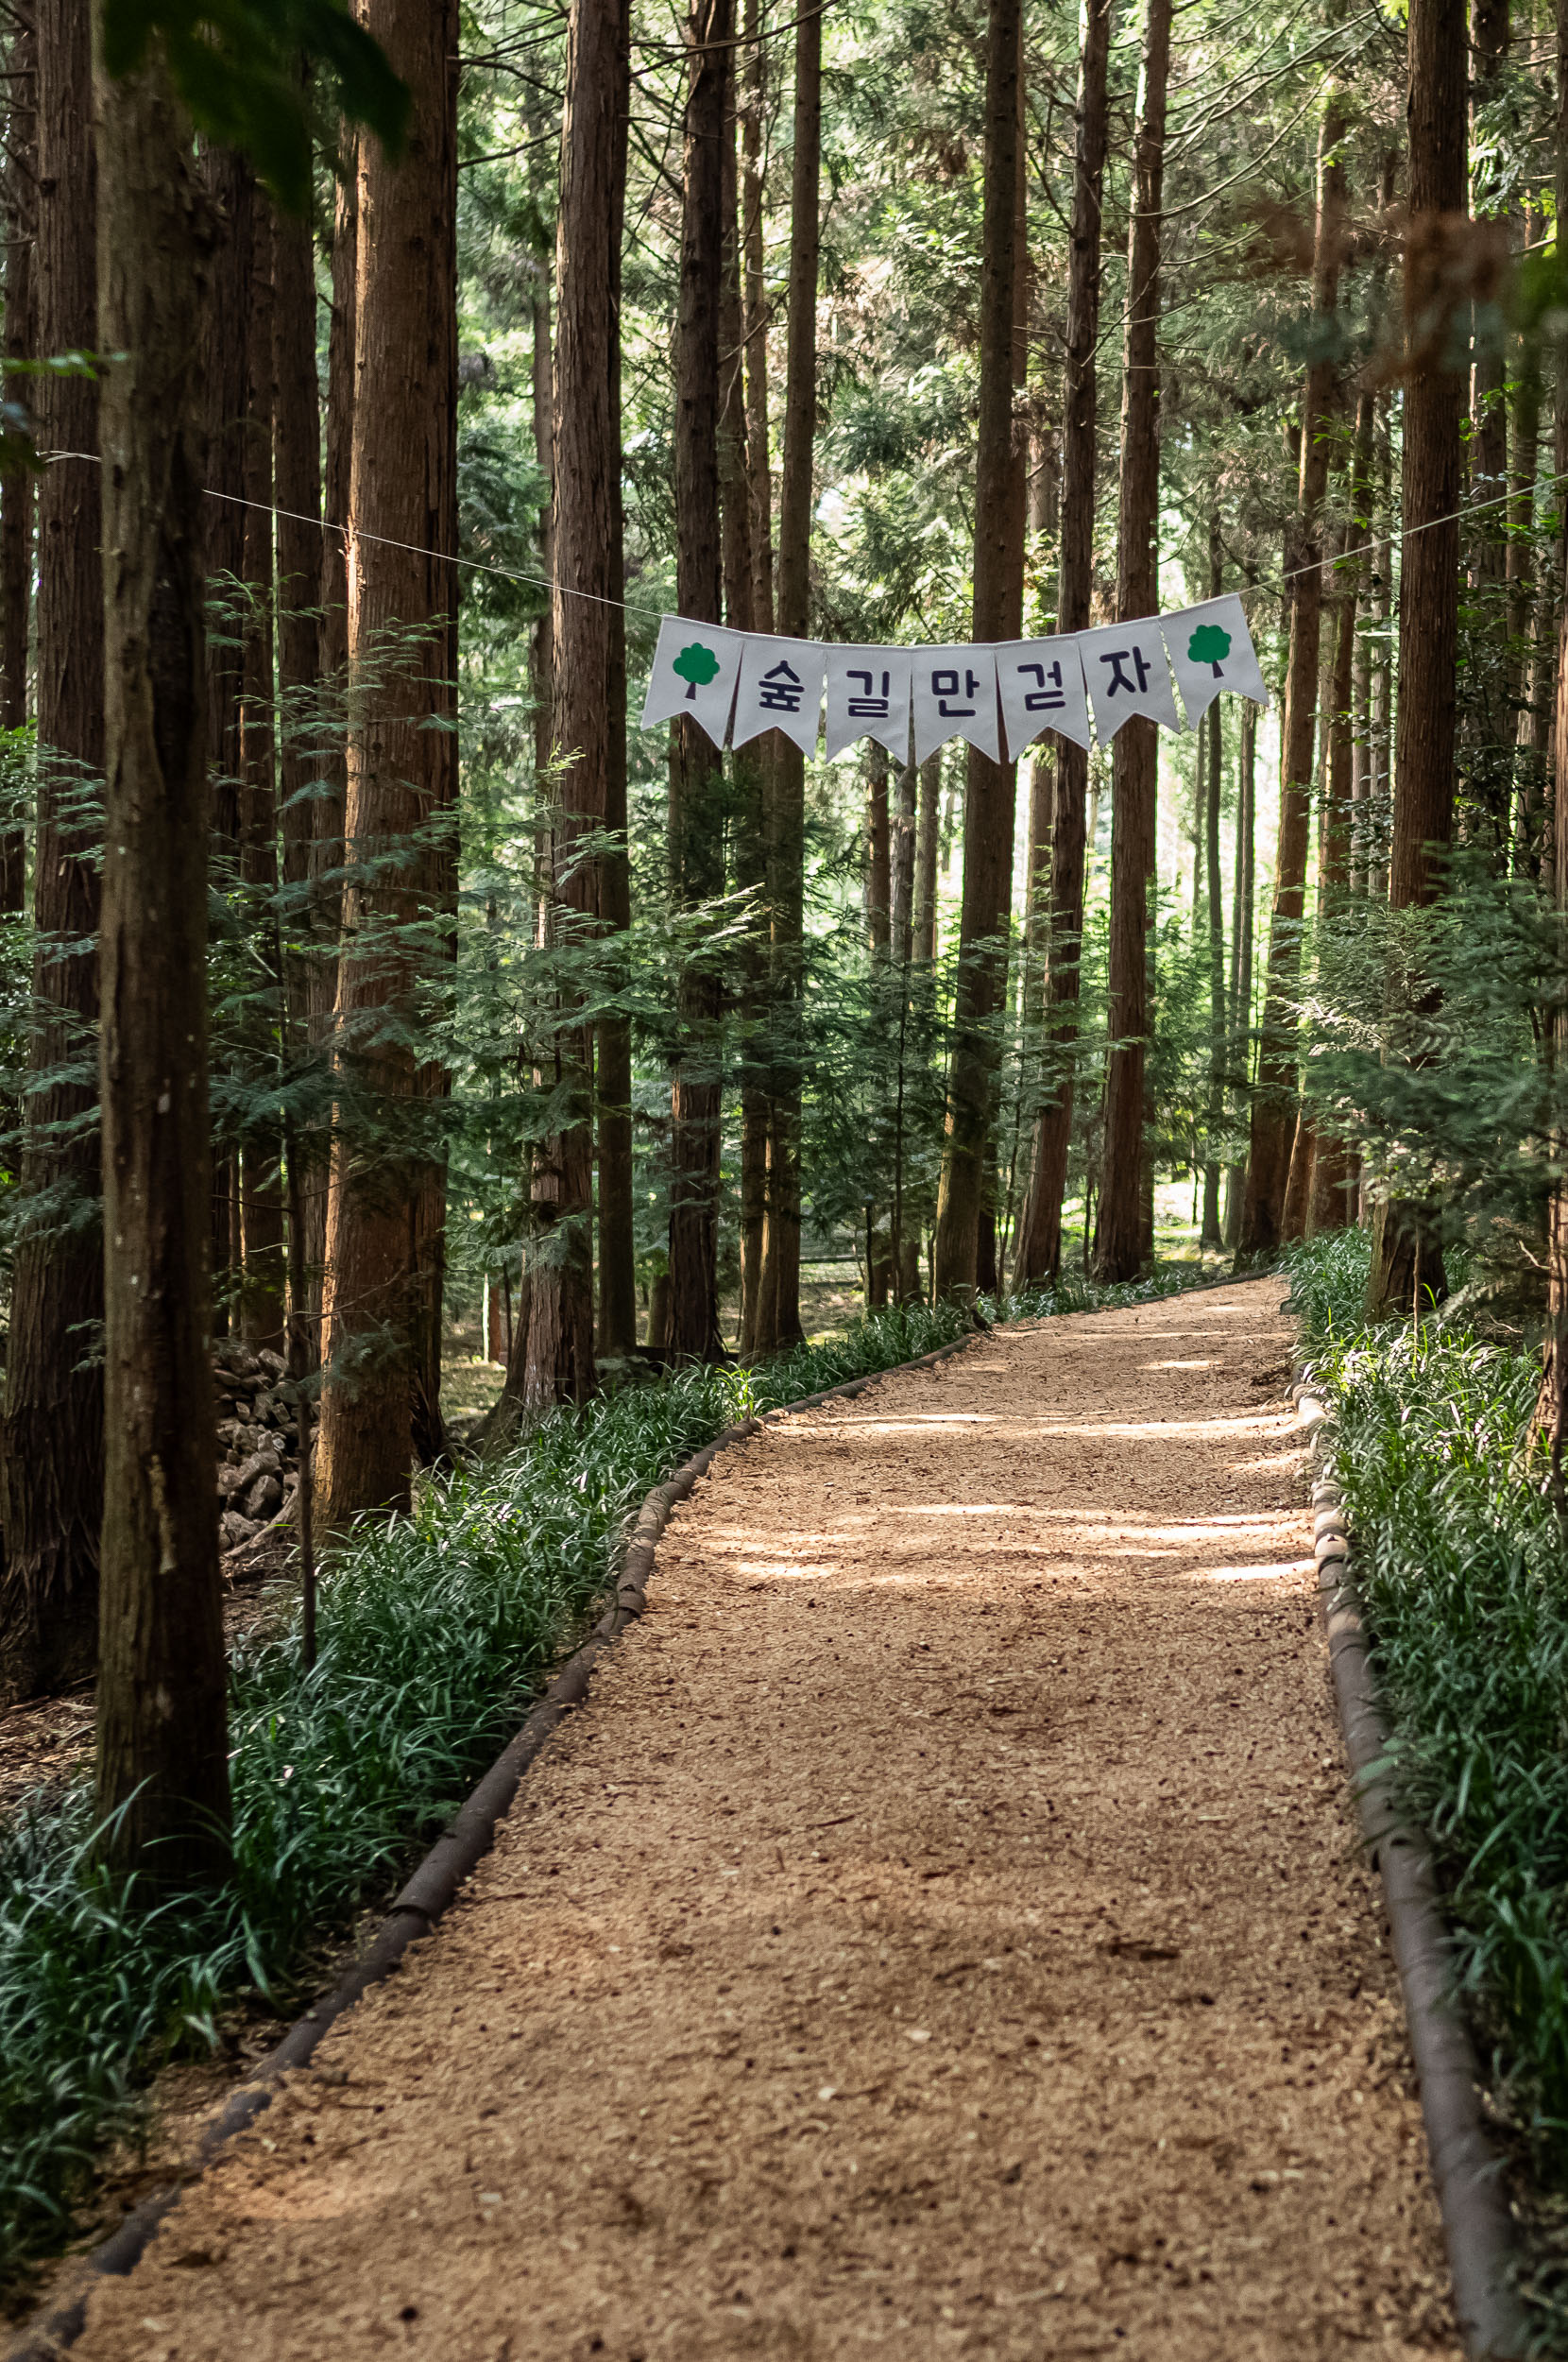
point(258, 1437)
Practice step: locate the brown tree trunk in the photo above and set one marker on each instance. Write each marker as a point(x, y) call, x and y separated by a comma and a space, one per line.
point(1124, 1216)
point(52, 1441)
point(163, 1764)
point(989, 808)
point(1406, 1248)
point(928, 846)
point(1241, 950)
point(1298, 1186)
point(1336, 1167)
point(617, 1328)
point(1039, 1256)
point(16, 490)
point(383, 1231)
point(1490, 39)
point(1273, 1114)
point(879, 838)
point(1210, 1232)
point(754, 319)
point(778, 1283)
point(1551, 1416)
point(559, 1363)
point(697, 774)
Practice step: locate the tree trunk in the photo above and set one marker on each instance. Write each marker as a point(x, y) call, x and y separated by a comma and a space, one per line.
point(1241, 951)
point(16, 491)
point(778, 1284)
point(879, 834)
point(1406, 1248)
point(1551, 1416)
point(382, 1234)
point(163, 1764)
point(1124, 1213)
point(928, 835)
point(52, 1441)
point(559, 1363)
point(989, 808)
point(1274, 1115)
point(696, 773)
point(1210, 1233)
point(755, 319)
point(617, 1330)
point(1337, 1168)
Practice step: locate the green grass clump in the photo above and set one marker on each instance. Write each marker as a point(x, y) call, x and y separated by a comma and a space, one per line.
point(1461, 1563)
point(436, 1631)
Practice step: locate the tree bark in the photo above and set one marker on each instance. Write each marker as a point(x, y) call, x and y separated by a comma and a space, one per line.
point(52, 1441)
point(928, 846)
point(1124, 1216)
point(1336, 1171)
point(1210, 1232)
point(990, 802)
point(778, 1282)
point(163, 1766)
point(16, 492)
point(559, 1363)
point(387, 1192)
point(1273, 1111)
point(1406, 1250)
point(1241, 951)
point(754, 319)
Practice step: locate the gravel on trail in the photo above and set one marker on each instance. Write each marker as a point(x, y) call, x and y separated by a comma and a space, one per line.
point(943, 1930)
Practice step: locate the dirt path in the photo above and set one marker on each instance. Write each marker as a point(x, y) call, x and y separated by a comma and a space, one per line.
point(940, 1931)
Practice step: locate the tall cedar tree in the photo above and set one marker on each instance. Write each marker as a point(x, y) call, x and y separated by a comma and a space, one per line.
point(1407, 1264)
point(696, 770)
point(779, 1281)
point(1336, 1171)
point(559, 1347)
point(19, 179)
point(1552, 1408)
point(1274, 1109)
point(163, 1766)
point(1135, 747)
point(52, 1439)
point(383, 1265)
point(1040, 1240)
point(1209, 855)
point(998, 611)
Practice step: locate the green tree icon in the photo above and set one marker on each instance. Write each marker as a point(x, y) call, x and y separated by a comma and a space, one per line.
point(1209, 644)
point(699, 666)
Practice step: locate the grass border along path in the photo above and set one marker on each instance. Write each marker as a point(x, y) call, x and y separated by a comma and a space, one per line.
point(437, 1632)
point(1461, 1565)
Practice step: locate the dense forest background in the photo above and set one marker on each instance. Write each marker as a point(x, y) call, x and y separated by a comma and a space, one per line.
point(371, 982)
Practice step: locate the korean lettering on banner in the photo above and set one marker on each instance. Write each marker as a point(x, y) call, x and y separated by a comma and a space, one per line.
point(696, 670)
point(1041, 684)
point(780, 690)
point(1210, 649)
point(955, 696)
point(1125, 667)
point(868, 696)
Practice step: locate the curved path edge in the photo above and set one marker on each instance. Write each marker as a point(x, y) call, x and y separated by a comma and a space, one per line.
point(1478, 2228)
point(426, 1895)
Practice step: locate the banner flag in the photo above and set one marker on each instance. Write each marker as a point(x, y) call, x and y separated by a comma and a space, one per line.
point(780, 690)
point(696, 669)
point(1210, 649)
point(1125, 667)
point(955, 696)
point(868, 696)
point(1042, 689)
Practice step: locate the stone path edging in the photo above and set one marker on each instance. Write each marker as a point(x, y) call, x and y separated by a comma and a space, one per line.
point(427, 1893)
point(1478, 2228)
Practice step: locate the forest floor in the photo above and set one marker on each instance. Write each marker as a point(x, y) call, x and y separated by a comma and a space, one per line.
point(985, 1966)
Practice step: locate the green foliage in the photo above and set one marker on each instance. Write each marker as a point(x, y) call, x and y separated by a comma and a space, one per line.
point(236, 65)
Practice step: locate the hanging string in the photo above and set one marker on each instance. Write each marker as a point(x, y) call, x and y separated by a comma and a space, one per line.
point(546, 582)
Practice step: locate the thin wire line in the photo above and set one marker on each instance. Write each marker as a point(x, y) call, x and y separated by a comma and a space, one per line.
point(545, 582)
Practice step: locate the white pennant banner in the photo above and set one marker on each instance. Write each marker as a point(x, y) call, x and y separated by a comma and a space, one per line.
point(1210, 649)
point(1041, 684)
point(955, 696)
point(696, 670)
point(1125, 667)
point(780, 688)
point(1016, 688)
point(868, 696)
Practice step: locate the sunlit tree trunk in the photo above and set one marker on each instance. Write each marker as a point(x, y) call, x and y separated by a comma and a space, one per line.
point(1407, 1264)
point(163, 1762)
point(1124, 1210)
point(1273, 1111)
point(1241, 950)
point(1551, 1418)
point(989, 806)
point(52, 1440)
point(18, 180)
point(1210, 1233)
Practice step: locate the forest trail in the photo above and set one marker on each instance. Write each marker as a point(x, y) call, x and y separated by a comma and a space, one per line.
point(982, 1966)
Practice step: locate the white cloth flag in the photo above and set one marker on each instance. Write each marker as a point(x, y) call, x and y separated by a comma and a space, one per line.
point(868, 696)
point(1210, 649)
point(955, 696)
point(696, 670)
point(1125, 667)
point(780, 690)
point(1041, 684)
